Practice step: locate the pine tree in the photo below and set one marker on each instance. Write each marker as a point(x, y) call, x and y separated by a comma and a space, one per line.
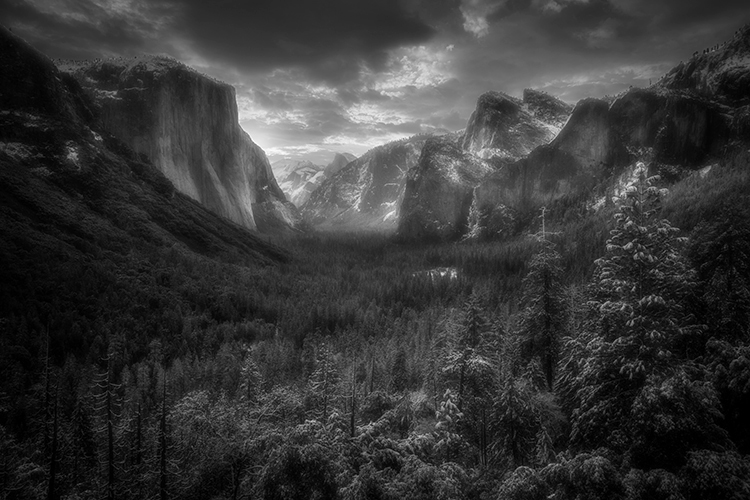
point(720, 250)
point(543, 302)
point(163, 449)
point(324, 381)
point(640, 324)
point(250, 379)
point(106, 401)
point(469, 366)
point(399, 372)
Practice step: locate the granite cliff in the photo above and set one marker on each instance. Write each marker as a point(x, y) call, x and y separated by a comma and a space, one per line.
point(72, 194)
point(504, 129)
point(439, 191)
point(187, 125)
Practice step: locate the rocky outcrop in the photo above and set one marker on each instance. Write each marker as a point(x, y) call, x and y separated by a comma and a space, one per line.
point(506, 129)
point(187, 125)
point(367, 192)
point(721, 72)
point(439, 191)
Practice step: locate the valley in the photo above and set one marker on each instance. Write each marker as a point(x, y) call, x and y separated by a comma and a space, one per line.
point(553, 302)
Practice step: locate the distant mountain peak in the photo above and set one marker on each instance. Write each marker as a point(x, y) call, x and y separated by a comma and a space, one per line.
point(299, 178)
point(367, 191)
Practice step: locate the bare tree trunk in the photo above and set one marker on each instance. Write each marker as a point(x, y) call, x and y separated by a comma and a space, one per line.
point(163, 445)
point(354, 404)
point(110, 439)
point(51, 493)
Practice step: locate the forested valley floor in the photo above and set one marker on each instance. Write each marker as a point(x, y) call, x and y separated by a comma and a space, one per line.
point(604, 357)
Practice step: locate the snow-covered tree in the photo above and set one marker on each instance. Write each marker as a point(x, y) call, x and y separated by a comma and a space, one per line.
point(543, 302)
point(640, 326)
point(324, 381)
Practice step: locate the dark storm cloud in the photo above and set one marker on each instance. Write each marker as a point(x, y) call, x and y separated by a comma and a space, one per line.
point(87, 30)
point(331, 39)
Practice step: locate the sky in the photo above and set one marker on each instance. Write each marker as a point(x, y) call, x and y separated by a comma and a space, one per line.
point(314, 77)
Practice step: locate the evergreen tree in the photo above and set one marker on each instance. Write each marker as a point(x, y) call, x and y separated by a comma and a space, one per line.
point(720, 250)
point(250, 379)
point(543, 302)
point(640, 327)
point(399, 372)
point(324, 382)
point(469, 368)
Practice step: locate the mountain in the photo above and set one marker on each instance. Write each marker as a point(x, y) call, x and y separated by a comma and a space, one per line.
point(506, 129)
point(298, 179)
point(502, 130)
point(70, 190)
point(690, 119)
point(187, 125)
point(368, 191)
point(439, 191)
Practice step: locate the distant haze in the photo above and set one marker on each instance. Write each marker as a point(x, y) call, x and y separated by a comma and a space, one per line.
point(318, 77)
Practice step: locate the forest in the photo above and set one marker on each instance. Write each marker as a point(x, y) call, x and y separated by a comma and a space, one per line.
point(605, 356)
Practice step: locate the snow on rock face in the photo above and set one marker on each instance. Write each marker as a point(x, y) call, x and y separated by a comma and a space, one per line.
point(506, 128)
point(298, 179)
point(187, 125)
point(546, 108)
point(366, 191)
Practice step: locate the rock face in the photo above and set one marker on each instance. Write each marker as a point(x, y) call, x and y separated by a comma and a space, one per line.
point(598, 141)
point(187, 125)
point(72, 192)
point(440, 201)
point(439, 191)
point(721, 72)
point(506, 129)
point(546, 108)
point(367, 192)
point(298, 179)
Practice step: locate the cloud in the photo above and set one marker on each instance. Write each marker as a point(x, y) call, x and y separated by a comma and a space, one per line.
point(331, 41)
point(313, 74)
point(89, 28)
